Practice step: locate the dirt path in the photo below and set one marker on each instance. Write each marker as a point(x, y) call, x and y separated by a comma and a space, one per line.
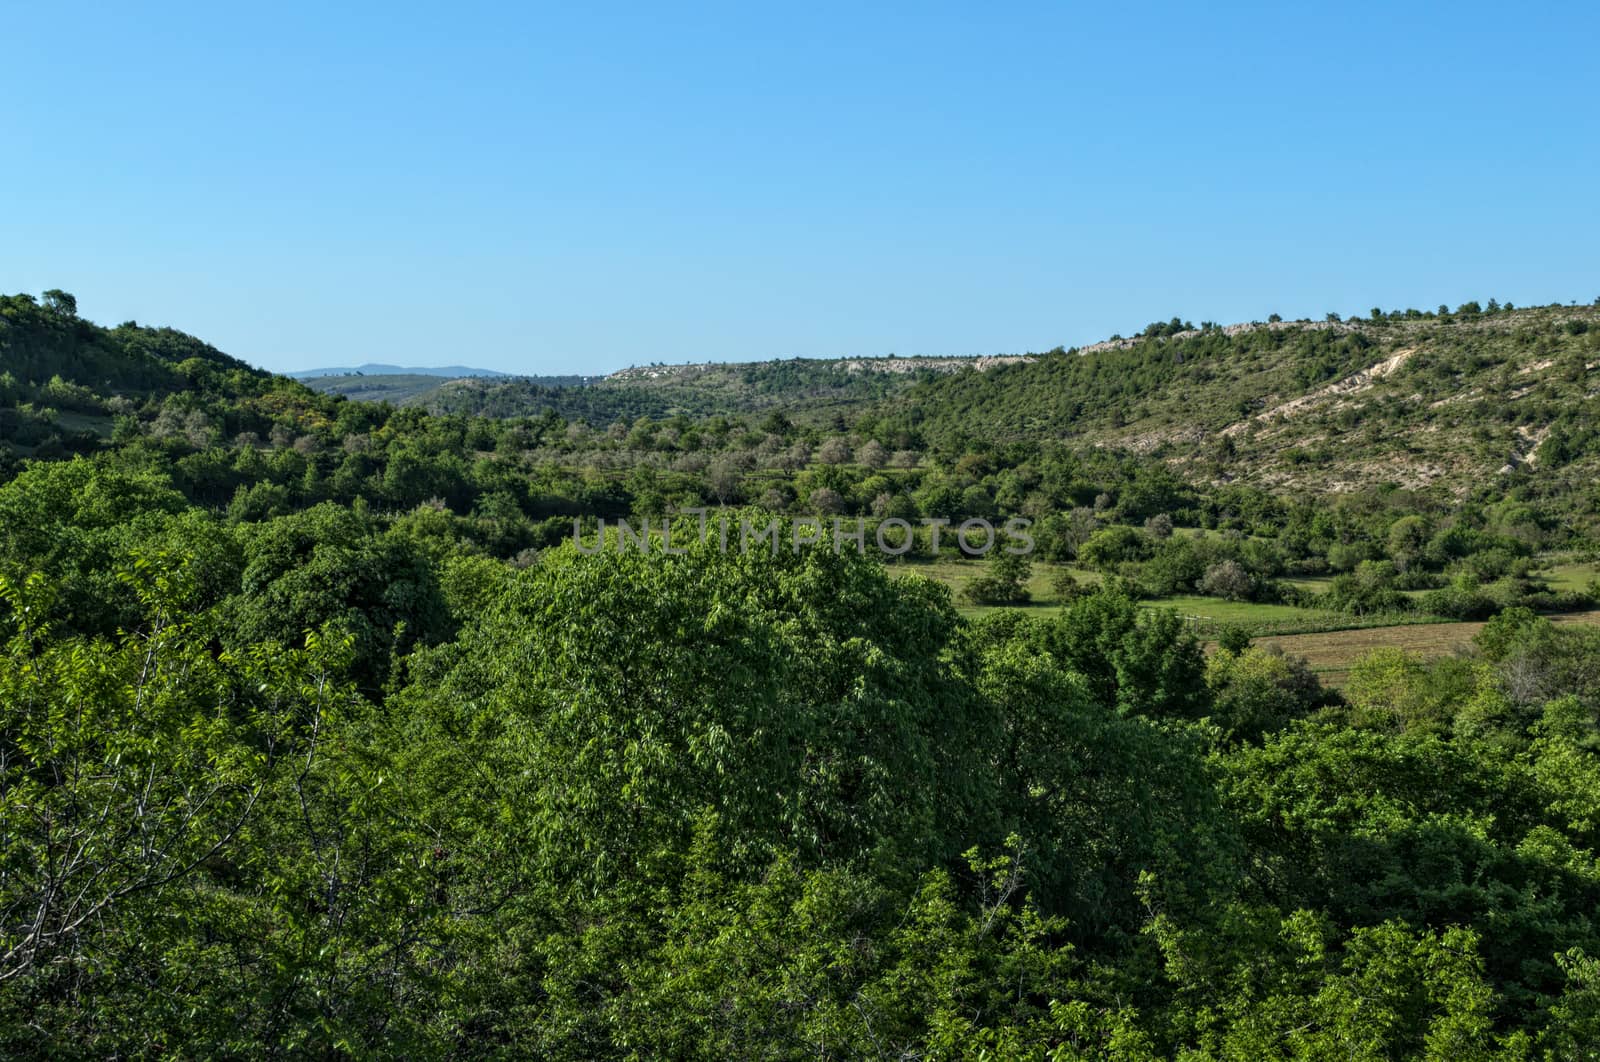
point(1350, 385)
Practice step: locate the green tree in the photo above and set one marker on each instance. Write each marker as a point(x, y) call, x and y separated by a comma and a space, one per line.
point(131, 767)
point(1004, 583)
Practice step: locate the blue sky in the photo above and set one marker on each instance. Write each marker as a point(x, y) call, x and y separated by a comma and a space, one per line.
point(581, 187)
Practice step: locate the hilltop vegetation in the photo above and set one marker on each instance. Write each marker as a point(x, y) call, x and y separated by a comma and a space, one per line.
point(401, 388)
point(319, 736)
point(814, 390)
point(448, 372)
point(817, 390)
point(1405, 398)
point(44, 338)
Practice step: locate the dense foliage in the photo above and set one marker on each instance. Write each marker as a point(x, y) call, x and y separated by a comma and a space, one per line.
point(319, 737)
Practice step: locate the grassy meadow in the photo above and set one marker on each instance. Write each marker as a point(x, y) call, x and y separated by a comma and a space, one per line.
point(1331, 642)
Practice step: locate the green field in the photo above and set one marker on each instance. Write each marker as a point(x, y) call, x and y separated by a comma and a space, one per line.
point(1331, 654)
point(1330, 641)
point(1573, 576)
point(957, 573)
point(1207, 614)
point(1211, 613)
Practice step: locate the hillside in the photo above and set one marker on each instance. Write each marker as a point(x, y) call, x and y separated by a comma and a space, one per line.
point(44, 338)
point(812, 390)
point(69, 386)
point(414, 388)
point(1408, 400)
point(64, 380)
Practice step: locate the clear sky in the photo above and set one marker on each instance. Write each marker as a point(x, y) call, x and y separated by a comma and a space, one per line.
point(580, 187)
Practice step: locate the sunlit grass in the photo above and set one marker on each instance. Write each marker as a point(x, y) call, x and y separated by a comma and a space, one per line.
point(1572, 576)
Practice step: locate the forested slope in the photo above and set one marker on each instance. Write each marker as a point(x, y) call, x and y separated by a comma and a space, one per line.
point(1405, 398)
point(815, 390)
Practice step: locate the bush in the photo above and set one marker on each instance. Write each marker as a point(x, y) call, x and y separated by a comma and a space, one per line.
point(1005, 583)
point(1457, 603)
point(1232, 638)
point(1176, 568)
point(1066, 585)
point(1418, 579)
point(1113, 545)
point(1228, 580)
point(1489, 564)
point(1258, 691)
point(1368, 589)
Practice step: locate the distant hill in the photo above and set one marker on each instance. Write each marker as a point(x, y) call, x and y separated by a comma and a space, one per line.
point(1405, 399)
point(418, 387)
point(449, 372)
point(65, 381)
point(813, 390)
point(43, 339)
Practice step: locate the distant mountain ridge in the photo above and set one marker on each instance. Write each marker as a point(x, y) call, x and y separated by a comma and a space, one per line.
point(449, 372)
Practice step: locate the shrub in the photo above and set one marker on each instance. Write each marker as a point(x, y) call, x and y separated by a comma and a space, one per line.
point(1005, 583)
point(1066, 585)
point(1228, 580)
point(1257, 691)
point(1458, 603)
point(1113, 545)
